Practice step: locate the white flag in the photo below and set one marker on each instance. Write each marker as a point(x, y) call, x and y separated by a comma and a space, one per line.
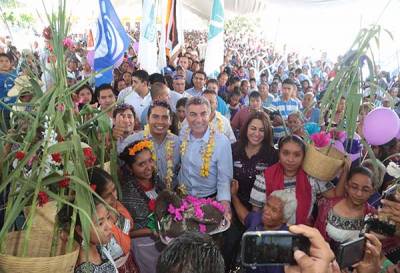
point(215, 44)
point(147, 56)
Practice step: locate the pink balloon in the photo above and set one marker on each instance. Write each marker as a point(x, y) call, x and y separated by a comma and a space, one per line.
point(398, 134)
point(380, 126)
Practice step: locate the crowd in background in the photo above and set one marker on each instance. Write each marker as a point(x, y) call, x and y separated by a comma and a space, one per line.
point(249, 125)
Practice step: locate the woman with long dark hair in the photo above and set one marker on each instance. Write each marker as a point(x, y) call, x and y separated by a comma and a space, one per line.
point(140, 189)
point(252, 154)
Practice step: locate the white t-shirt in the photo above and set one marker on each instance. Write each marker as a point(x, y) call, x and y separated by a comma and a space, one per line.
point(131, 97)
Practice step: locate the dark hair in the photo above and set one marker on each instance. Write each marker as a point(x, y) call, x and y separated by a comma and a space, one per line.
point(200, 72)
point(289, 82)
point(141, 75)
point(233, 80)
point(252, 80)
point(254, 95)
point(102, 87)
point(157, 88)
point(292, 138)
point(191, 252)
point(267, 142)
point(181, 102)
point(235, 92)
point(130, 159)
point(100, 178)
point(85, 86)
point(221, 74)
point(360, 170)
point(7, 56)
point(212, 81)
point(120, 108)
point(243, 82)
point(156, 77)
point(159, 103)
point(209, 92)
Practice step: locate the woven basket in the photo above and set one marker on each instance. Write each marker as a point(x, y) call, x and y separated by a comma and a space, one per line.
point(323, 163)
point(37, 259)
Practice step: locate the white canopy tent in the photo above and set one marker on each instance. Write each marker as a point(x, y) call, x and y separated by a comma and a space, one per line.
point(310, 26)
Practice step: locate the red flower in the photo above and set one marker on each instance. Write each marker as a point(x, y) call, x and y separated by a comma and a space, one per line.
point(56, 157)
point(60, 138)
point(90, 158)
point(64, 183)
point(43, 198)
point(20, 155)
point(152, 205)
point(93, 186)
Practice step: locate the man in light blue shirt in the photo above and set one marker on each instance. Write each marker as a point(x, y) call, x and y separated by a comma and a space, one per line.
point(159, 120)
point(199, 80)
point(194, 144)
point(266, 97)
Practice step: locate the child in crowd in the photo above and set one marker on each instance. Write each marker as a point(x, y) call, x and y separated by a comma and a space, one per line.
point(7, 78)
point(122, 222)
point(181, 111)
point(97, 258)
point(234, 102)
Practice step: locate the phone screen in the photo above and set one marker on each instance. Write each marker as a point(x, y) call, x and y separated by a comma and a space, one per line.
point(269, 248)
point(351, 253)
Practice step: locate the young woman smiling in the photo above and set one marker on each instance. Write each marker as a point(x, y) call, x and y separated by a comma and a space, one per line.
point(252, 154)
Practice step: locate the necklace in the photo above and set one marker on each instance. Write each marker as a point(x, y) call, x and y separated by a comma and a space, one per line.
point(169, 151)
point(220, 124)
point(207, 153)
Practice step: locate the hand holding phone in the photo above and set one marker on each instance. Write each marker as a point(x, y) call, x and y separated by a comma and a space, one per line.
point(372, 256)
point(320, 258)
point(350, 253)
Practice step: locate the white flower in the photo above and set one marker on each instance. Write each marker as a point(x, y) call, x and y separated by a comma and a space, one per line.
point(393, 170)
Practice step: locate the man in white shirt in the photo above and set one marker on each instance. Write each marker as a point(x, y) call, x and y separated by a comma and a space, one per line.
point(178, 84)
point(137, 95)
point(199, 80)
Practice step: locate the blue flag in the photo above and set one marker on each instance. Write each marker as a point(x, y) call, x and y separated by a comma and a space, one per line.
point(111, 42)
point(215, 44)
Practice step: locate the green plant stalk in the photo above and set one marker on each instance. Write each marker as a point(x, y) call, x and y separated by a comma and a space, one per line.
point(32, 211)
point(71, 240)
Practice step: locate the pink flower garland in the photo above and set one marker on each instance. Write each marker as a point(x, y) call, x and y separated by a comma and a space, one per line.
point(197, 203)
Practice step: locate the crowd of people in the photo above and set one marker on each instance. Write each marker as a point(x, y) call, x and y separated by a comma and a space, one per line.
point(239, 139)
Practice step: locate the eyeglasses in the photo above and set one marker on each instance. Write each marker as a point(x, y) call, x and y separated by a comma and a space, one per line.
point(355, 188)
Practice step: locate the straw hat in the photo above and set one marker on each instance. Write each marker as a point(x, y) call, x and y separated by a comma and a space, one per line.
point(22, 85)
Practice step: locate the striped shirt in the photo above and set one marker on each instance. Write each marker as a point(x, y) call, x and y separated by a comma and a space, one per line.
point(286, 107)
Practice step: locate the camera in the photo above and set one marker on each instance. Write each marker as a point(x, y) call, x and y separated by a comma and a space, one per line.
point(263, 248)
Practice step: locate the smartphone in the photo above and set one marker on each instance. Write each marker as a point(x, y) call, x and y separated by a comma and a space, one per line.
point(392, 193)
point(263, 248)
point(350, 253)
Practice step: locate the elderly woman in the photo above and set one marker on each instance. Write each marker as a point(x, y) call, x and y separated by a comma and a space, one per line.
point(280, 207)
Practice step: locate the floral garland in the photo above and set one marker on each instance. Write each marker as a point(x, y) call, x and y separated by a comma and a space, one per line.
point(207, 153)
point(140, 146)
point(169, 149)
point(220, 124)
